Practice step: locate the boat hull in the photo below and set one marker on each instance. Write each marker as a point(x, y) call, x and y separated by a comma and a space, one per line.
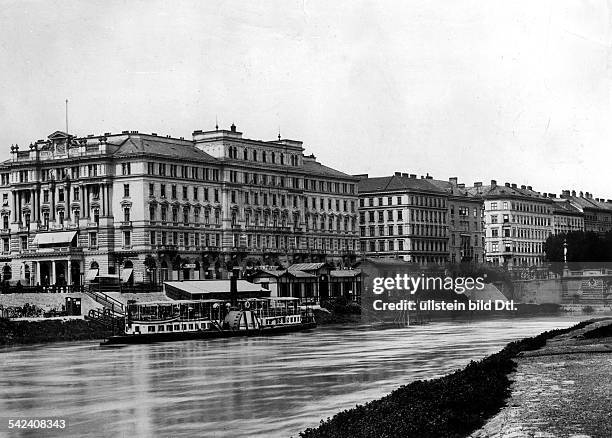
point(147, 338)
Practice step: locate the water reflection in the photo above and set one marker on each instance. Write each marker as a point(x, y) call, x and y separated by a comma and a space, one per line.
point(272, 386)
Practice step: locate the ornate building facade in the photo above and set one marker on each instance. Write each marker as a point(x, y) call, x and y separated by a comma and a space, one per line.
point(145, 207)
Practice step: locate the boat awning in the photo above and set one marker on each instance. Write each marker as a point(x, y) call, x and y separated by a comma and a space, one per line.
point(91, 274)
point(58, 238)
point(126, 274)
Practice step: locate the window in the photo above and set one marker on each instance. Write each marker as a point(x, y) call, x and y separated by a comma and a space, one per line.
point(126, 169)
point(173, 192)
point(126, 190)
point(126, 214)
point(46, 196)
point(76, 193)
point(162, 190)
point(24, 242)
point(151, 189)
point(184, 192)
point(60, 195)
point(93, 240)
point(127, 238)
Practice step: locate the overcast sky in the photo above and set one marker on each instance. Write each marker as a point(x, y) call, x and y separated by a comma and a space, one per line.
point(517, 91)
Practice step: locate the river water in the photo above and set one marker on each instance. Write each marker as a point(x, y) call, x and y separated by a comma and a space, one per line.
point(275, 386)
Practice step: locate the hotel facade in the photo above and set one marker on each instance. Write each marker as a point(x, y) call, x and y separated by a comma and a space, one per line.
point(147, 208)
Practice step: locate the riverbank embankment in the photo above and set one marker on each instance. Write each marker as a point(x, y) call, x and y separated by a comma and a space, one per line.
point(536, 384)
point(14, 332)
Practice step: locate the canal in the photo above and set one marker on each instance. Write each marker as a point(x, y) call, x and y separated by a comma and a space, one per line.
point(274, 386)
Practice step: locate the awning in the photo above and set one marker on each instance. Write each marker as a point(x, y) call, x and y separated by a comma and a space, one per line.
point(126, 274)
point(57, 238)
point(91, 274)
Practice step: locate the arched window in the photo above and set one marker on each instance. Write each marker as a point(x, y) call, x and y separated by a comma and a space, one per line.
point(94, 265)
point(7, 273)
point(128, 264)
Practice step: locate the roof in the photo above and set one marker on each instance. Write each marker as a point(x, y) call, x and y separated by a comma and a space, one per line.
point(299, 274)
point(453, 189)
point(306, 266)
point(213, 286)
point(313, 167)
point(54, 238)
point(397, 183)
point(589, 203)
point(563, 206)
point(504, 191)
point(342, 273)
point(147, 144)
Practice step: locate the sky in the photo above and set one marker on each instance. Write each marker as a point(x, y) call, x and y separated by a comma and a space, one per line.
point(516, 91)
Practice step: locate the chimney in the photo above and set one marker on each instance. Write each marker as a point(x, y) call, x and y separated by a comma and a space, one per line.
point(361, 176)
point(552, 195)
point(514, 186)
point(461, 186)
point(412, 176)
point(507, 184)
point(609, 201)
point(234, 286)
point(428, 176)
point(398, 173)
point(523, 186)
point(493, 183)
point(404, 175)
point(581, 194)
point(478, 184)
point(233, 128)
point(453, 181)
point(573, 192)
point(565, 193)
point(529, 188)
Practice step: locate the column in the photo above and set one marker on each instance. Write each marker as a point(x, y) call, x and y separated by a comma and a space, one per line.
point(86, 201)
point(67, 197)
point(69, 272)
point(34, 274)
point(19, 203)
point(53, 279)
point(103, 199)
point(52, 203)
point(14, 206)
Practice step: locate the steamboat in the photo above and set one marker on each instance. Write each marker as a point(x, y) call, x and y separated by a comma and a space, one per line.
point(163, 321)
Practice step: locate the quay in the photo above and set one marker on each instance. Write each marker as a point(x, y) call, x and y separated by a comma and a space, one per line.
point(562, 389)
point(557, 384)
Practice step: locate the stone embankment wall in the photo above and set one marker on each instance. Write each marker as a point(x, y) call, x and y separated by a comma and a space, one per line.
point(573, 290)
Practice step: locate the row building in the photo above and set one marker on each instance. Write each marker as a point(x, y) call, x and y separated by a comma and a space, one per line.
point(420, 220)
point(146, 208)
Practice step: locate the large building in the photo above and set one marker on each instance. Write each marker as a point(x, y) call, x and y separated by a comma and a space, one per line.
point(566, 217)
point(421, 220)
point(466, 226)
point(518, 220)
point(146, 207)
point(597, 212)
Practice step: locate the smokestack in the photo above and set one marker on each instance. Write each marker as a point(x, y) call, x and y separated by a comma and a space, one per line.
point(234, 286)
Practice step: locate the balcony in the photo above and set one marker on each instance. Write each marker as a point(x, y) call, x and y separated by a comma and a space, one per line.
point(125, 224)
point(92, 225)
